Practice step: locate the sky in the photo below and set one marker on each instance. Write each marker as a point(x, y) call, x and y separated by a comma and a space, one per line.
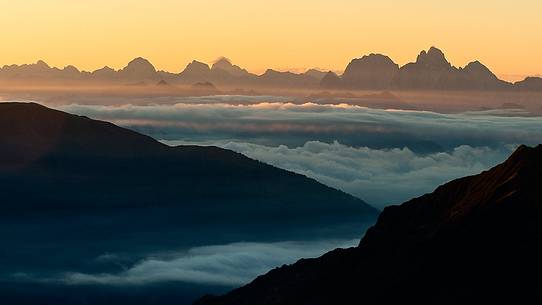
point(280, 34)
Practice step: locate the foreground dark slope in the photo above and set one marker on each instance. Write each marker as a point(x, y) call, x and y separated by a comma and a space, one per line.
point(75, 188)
point(52, 159)
point(475, 240)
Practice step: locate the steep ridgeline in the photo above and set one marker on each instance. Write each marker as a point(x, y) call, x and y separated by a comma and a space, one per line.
point(475, 240)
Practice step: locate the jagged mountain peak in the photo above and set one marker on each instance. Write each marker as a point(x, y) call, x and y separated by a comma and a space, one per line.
point(138, 69)
point(433, 58)
point(376, 58)
point(195, 65)
point(477, 67)
point(225, 64)
point(71, 69)
point(140, 63)
point(223, 61)
point(330, 80)
point(42, 64)
point(371, 71)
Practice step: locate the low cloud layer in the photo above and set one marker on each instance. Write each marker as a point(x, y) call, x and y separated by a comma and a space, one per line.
point(382, 156)
point(379, 176)
point(226, 265)
point(279, 123)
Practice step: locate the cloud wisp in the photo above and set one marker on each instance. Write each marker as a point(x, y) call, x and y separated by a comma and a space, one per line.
point(382, 156)
point(223, 265)
point(280, 123)
point(379, 176)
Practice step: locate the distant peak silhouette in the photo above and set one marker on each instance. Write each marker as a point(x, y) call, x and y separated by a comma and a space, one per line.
point(139, 68)
point(140, 63)
point(225, 64)
point(41, 64)
point(433, 58)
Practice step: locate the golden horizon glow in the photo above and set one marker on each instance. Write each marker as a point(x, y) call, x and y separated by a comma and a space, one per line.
point(283, 35)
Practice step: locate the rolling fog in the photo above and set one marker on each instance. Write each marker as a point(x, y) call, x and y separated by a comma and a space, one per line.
point(382, 156)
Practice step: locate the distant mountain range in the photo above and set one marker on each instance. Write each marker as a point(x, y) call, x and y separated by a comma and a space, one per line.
point(141, 71)
point(430, 71)
point(475, 240)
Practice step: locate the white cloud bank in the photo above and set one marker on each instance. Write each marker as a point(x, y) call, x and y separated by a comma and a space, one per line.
point(379, 176)
point(276, 123)
point(356, 149)
point(228, 265)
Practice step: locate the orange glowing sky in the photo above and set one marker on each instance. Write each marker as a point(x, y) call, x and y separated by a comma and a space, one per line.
point(280, 34)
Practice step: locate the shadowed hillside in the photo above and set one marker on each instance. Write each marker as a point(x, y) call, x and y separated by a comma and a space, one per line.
point(474, 240)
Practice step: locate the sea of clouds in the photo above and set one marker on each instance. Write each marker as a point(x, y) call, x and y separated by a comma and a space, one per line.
point(228, 265)
point(383, 156)
point(379, 176)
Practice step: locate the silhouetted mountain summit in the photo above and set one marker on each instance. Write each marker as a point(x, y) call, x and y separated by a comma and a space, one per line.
point(196, 71)
point(315, 73)
point(331, 81)
point(475, 240)
point(105, 73)
point(433, 59)
point(430, 71)
point(226, 65)
point(374, 71)
point(138, 69)
point(530, 84)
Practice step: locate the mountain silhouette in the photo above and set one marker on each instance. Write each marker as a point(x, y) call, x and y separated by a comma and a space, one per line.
point(530, 84)
point(373, 71)
point(315, 73)
point(475, 240)
point(430, 71)
point(331, 81)
point(138, 69)
point(105, 73)
point(225, 65)
point(274, 78)
point(196, 71)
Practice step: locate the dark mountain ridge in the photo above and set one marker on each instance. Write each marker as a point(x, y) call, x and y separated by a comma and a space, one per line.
point(475, 240)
